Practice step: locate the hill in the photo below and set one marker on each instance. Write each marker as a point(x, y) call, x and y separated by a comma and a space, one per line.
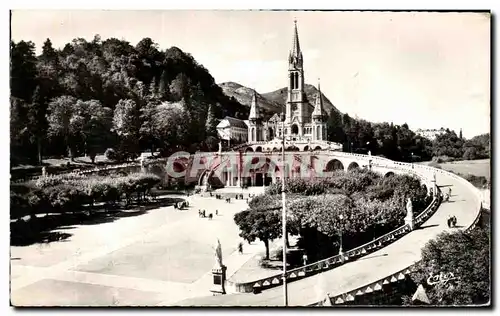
point(279, 96)
point(243, 95)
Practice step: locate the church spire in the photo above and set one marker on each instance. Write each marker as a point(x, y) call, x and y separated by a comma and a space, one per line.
point(318, 106)
point(295, 53)
point(254, 111)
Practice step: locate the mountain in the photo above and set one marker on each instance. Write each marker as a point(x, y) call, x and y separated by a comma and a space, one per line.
point(271, 102)
point(244, 95)
point(279, 96)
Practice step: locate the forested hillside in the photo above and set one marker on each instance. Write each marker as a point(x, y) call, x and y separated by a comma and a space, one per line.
point(89, 96)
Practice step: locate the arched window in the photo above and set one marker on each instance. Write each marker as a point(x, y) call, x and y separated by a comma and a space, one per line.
point(317, 132)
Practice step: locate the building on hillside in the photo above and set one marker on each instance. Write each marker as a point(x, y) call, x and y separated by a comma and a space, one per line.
point(302, 121)
point(230, 128)
point(304, 124)
point(430, 133)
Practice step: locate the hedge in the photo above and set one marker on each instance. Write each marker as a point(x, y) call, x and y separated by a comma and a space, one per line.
point(70, 193)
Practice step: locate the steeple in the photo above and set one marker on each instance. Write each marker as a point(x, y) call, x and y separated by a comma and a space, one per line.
point(254, 111)
point(318, 106)
point(295, 57)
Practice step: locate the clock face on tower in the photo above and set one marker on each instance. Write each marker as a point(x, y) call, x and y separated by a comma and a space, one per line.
point(294, 107)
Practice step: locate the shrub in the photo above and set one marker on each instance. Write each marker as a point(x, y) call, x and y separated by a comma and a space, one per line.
point(110, 154)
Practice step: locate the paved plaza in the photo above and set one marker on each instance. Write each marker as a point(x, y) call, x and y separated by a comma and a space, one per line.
point(160, 257)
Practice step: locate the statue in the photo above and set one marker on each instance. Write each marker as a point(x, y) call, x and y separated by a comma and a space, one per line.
point(369, 153)
point(409, 214)
point(143, 168)
point(218, 272)
point(409, 208)
point(44, 171)
point(220, 147)
point(218, 254)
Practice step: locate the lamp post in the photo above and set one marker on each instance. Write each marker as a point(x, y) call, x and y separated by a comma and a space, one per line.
point(341, 253)
point(285, 289)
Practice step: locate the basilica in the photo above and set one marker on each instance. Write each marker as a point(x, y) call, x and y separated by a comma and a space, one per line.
point(302, 125)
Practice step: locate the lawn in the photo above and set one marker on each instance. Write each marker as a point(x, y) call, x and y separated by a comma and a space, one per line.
point(477, 168)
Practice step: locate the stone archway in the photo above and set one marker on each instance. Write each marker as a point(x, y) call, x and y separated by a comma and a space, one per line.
point(353, 166)
point(295, 129)
point(249, 149)
point(333, 165)
point(258, 149)
point(389, 174)
point(275, 149)
point(306, 148)
point(318, 148)
point(292, 148)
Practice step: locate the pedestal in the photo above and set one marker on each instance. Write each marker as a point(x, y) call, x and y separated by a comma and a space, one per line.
point(219, 280)
point(410, 222)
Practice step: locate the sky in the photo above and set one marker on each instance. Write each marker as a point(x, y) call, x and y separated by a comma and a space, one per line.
point(428, 70)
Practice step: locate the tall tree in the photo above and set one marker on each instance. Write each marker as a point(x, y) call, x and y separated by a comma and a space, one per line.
point(23, 71)
point(127, 124)
point(264, 225)
point(60, 113)
point(36, 121)
point(163, 88)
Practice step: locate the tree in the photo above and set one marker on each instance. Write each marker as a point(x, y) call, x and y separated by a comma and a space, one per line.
point(59, 119)
point(126, 123)
point(36, 121)
point(93, 123)
point(464, 254)
point(335, 128)
point(18, 132)
point(264, 225)
point(163, 89)
point(149, 128)
point(211, 122)
point(22, 70)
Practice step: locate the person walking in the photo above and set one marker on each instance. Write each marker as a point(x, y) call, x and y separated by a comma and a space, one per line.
point(240, 248)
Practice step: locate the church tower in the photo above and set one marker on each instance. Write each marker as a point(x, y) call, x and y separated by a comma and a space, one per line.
point(318, 123)
point(296, 107)
point(254, 122)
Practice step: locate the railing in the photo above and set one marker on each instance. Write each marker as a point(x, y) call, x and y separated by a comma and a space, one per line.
point(401, 275)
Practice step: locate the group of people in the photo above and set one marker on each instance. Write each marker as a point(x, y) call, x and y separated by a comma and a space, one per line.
point(203, 214)
point(181, 205)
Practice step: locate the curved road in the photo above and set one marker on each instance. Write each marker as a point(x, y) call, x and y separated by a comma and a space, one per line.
point(390, 259)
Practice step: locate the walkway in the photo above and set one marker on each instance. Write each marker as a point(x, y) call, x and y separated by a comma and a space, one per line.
point(371, 268)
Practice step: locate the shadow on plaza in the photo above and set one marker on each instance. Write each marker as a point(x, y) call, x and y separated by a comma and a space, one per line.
point(44, 228)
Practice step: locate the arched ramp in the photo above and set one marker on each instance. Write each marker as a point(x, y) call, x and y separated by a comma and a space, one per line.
point(353, 166)
point(333, 165)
